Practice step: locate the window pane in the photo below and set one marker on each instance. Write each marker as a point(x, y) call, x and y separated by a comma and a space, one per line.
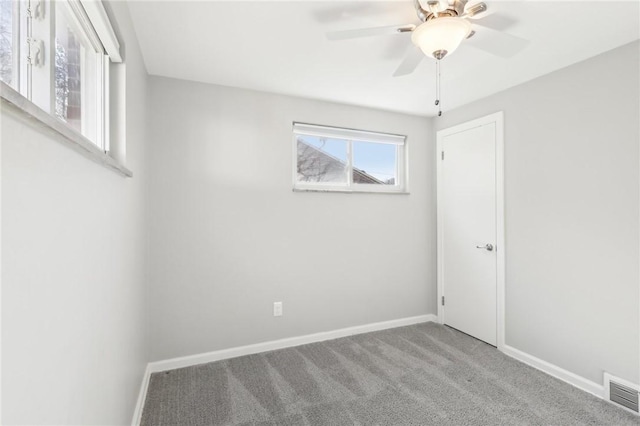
point(374, 163)
point(321, 160)
point(68, 78)
point(7, 70)
point(77, 75)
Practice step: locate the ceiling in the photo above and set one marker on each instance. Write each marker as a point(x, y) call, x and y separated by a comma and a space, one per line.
point(281, 47)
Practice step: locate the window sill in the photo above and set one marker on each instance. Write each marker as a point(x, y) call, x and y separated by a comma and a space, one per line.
point(13, 101)
point(350, 191)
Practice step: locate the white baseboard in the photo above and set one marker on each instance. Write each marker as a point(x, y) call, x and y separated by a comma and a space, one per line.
point(137, 413)
point(187, 361)
point(555, 371)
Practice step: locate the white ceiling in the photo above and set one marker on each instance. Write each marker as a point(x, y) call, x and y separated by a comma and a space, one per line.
point(281, 47)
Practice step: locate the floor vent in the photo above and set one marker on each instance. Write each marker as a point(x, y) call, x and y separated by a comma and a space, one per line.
point(621, 392)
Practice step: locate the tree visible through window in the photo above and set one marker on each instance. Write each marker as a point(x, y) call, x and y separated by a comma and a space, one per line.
point(6, 41)
point(321, 160)
point(68, 82)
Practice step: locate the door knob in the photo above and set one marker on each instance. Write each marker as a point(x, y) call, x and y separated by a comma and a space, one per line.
point(488, 247)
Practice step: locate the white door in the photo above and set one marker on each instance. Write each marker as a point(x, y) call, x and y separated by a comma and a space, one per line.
point(468, 228)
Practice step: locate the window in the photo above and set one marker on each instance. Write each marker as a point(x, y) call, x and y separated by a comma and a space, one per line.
point(57, 55)
point(78, 78)
point(334, 159)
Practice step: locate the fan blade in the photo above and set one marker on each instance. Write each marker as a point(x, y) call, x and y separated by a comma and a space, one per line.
point(369, 32)
point(336, 11)
point(495, 21)
point(410, 62)
point(497, 43)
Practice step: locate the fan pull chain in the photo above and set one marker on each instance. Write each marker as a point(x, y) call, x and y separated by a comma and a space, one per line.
point(438, 82)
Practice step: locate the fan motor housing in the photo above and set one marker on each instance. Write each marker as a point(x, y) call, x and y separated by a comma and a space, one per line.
point(455, 8)
point(450, 13)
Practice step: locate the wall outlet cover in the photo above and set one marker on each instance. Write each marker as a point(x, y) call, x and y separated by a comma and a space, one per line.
point(277, 309)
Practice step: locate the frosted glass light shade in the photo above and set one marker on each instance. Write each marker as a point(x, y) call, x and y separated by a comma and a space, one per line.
point(441, 35)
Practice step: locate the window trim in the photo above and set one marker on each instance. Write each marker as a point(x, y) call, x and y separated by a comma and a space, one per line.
point(350, 136)
point(97, 15)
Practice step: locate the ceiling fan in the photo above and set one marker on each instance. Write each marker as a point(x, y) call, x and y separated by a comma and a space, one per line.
point(444, 25)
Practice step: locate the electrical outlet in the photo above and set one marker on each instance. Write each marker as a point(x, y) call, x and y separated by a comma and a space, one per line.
point(277, 309)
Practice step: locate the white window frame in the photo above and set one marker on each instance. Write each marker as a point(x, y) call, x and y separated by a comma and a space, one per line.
point(35, 85)
point(350, 136)
point(80, 24)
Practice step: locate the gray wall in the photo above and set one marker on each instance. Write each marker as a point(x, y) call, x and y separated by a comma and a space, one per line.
point(571, 159)
point(74, 344)
point(229, 237)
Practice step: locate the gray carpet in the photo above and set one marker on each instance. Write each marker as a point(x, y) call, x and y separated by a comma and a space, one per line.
point(418, 375)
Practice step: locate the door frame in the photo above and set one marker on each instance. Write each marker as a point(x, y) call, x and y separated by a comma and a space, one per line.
point(498, 119)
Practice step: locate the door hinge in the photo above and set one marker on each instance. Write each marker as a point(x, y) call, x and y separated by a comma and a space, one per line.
point(443, 155)
point(442, 300)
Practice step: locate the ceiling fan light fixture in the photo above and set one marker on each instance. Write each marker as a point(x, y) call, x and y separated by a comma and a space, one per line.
point(441, 36)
